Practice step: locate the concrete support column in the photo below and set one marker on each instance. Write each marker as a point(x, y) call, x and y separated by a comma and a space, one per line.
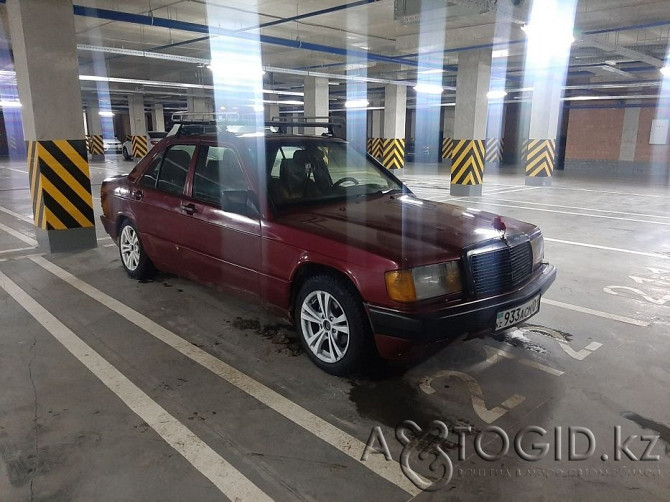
point(94, 124)
point(469, 148)
point(271, 111)
point(316, 101)
point(395, 111)
point(199, 104)
point(158, 117)
point(448, 118)
point(631, 124)
point(138, 125)
point(494, 135)
point(545, 109)
point(47, 73)
point(376, 134)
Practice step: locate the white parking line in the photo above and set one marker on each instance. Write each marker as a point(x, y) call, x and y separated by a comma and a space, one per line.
point(489, 203)
point(209, 463)
point(508, 190)
point(28, 240)
point(607, 248)
point(584, 310)
point(13, 169)
point(16, 250)
point(317, 426)
point(27, 219)
point(643, 195)
point(641, 215)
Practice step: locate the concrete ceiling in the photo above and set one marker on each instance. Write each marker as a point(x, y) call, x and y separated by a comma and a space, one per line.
point(616, 40)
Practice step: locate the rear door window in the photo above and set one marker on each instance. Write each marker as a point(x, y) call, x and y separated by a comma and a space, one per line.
point(218, 170)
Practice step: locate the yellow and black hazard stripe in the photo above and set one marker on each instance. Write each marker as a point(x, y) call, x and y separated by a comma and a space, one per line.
point(377, 148)
point(36, 185)
point(467, 162)
point(140, 147)
point(88, 143)
point(97, 145)
point(368, 146)
point(60, 184)
point(494, 148)
point(11, 142)
point(540, 158)
point(447, 147)
point(393, 153)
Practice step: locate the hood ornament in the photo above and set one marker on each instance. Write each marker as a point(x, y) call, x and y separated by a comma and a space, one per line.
point(499, 225)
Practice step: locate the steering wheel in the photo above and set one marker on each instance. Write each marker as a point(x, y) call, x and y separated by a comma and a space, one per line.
point(345, 179)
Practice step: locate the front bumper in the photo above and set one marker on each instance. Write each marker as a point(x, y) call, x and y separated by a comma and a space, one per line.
point(476, 316)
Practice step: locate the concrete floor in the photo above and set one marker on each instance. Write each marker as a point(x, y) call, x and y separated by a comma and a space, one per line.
point(201, 396)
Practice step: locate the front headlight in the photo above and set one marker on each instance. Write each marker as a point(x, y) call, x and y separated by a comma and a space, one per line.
point(537, 243)
point(421, 283)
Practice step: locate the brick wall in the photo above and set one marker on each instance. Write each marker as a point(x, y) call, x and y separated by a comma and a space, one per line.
point(595, 134)
point(644, 152)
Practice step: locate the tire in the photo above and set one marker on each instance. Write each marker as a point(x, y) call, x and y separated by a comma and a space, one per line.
point(323, 337)
point(133, 256)
point(126, 155)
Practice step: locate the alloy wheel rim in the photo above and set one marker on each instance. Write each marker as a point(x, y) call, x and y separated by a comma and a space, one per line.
point(130, 248)
point(325, 326)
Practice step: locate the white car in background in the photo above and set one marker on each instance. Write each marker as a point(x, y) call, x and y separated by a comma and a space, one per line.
point(153, 137)
point(111, 145)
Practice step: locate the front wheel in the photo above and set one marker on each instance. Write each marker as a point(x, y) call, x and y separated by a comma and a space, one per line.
point(133, 256)
point(332, 325)
point(126, 155)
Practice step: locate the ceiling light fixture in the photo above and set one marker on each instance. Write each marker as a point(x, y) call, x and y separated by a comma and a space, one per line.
point(665, 71)
point(500, 53)
point(356, 103)
point(10, 104)
point(496, 94)
point(428, 88)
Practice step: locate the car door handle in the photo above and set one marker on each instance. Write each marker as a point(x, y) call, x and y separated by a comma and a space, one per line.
point(138, 194)
point(188, 208)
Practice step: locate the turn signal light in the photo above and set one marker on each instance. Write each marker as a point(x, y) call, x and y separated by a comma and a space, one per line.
point(400, 286)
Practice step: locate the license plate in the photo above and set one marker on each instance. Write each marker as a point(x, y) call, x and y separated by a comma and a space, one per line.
point(510, 317)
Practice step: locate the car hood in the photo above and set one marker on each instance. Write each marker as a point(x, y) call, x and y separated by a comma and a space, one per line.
point(402, 228)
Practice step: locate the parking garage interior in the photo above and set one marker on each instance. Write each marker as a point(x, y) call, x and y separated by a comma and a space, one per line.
point(554, 112)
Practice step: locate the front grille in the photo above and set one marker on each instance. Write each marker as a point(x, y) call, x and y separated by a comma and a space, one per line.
point(502, 269)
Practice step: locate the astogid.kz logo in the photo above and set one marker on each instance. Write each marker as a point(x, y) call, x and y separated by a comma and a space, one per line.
point(426, 464)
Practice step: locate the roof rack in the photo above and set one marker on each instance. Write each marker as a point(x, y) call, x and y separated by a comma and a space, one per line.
point(193, 123)
point(198, 123)
point(332, 124)
point(233, 117)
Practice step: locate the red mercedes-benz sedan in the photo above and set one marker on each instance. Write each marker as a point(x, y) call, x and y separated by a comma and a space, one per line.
point(327, 237)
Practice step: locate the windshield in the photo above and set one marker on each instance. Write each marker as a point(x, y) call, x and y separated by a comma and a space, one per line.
point(316, 171)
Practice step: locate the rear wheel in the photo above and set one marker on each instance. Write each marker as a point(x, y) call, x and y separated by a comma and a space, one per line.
point(332, 324)
point(133, 256)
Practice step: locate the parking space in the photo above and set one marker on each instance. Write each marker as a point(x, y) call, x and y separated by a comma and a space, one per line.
point(180, 377)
